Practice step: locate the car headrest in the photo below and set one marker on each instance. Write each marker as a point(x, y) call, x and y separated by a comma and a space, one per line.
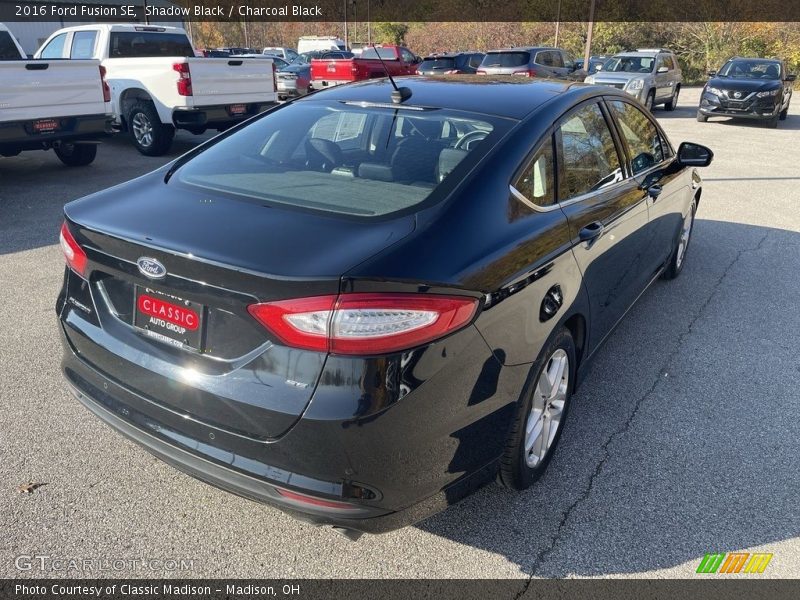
point(375, 171)
point(448, 160)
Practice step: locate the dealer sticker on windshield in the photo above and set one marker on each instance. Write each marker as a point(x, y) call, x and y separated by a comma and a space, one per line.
point(169, 318)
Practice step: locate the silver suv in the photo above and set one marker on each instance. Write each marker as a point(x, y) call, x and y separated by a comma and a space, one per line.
point(652, 75)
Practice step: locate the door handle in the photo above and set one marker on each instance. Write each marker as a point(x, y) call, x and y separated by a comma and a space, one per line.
point(654, 191)
point(591, 232)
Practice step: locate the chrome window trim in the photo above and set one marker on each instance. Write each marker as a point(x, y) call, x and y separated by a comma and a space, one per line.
point(569, 201)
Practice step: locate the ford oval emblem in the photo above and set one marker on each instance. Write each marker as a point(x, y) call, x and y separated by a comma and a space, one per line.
point(150, 267)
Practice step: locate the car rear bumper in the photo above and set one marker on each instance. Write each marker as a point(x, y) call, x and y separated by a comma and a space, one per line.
point(383, 443)
point(321, 84)
point(216, 116)
point(21, 134)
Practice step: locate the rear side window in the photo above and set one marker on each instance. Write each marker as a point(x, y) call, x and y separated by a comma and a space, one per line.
point(545, 58)
point(144, 44)
point(8, 49)
point(83, 44)
point(641, 136)
point(537, 182)
point(506, 59)
point(588, 159)
point(55, 47)
point(343, 159)
point(475, 60)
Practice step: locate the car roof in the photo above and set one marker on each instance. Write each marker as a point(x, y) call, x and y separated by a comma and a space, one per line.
point(507, 96)
point(522, 49)
point(755, 59)
point(638, 54)
point(451, 54)
point(141, 27)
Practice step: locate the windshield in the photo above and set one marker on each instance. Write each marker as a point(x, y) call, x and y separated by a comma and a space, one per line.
point(344, 159)
point(145, 44)
point(751, 69)
point(384, 53)
point(437, 63)
point(506, 59)
point(630, 64)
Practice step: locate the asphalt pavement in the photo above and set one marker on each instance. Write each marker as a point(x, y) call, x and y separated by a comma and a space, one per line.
point(684, 439)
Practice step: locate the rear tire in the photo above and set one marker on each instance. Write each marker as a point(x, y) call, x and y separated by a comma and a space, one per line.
point(701, 118)
point(673, 102)
point(544, 406)
point(148, 134)
point(678, 257)
point(76, 155)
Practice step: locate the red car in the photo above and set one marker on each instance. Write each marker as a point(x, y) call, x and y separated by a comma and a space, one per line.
point(375, 61)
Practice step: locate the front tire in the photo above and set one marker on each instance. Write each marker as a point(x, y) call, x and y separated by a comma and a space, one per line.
point(148, 134)
point(76, 155)
point(541, 414)
point(673, 102)
point(678, 257)
point(784, 114)
point(650, 101)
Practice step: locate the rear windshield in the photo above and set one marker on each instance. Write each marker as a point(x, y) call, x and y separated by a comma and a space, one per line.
point(506, 59)
point(384, 53)
point(8, 49)
point(145, 44)
point(437, 63)
point(345, 159)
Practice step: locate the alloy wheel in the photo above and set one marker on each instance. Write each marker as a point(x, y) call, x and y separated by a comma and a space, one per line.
point(142, 129)
point(547, 408)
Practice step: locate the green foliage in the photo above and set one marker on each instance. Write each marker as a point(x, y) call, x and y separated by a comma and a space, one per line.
point(391, 33)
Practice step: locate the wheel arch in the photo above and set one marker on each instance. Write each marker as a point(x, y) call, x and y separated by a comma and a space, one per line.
point(130, 97)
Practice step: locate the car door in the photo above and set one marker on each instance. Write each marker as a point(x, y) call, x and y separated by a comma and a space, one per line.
point(606, 211)
point(408, 61)
point(663, 78)
point(665, 187)
point(544, 63)
point(560, 70)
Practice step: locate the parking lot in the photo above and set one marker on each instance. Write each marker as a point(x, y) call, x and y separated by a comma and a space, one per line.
point(683, 440)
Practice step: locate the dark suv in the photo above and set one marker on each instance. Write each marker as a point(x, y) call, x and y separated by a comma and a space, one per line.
point(554, 63)
point(451, 63)
point(748, 88)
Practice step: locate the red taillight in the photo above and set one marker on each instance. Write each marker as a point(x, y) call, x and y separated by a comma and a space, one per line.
point(185, 78)
point(364, 324)
point(481, 72)
point(302, 498)
point(106, 89)
point(73, 253)
point(526, 72)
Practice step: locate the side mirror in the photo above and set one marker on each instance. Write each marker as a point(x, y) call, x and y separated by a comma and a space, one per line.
point(694, 155)
point(598, 68)
point(662, 70)
point(791, 77)
point(712, 73)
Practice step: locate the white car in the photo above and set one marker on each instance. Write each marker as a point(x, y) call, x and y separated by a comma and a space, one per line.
point(158, 85)
point(309, 43)
point(286, 54)
point(63, 105)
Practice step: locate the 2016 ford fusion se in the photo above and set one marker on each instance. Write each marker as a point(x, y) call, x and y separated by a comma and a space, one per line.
point(361, 306)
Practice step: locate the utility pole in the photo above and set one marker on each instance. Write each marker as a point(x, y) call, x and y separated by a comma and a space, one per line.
point(369, 27)
point(346, 43)
point(588, 50)
point(558, 23)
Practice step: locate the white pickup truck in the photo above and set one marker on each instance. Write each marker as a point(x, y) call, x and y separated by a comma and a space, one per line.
point(45, 104)
point(158, 85)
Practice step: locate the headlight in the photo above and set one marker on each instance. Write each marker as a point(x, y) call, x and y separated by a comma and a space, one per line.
point(589, 79)
point(768, 93)
point(636, 84)
point(713, 90)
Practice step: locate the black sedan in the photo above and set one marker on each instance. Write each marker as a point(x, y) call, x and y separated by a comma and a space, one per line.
point(362, 305)
point(451, 63)
point(748, 88)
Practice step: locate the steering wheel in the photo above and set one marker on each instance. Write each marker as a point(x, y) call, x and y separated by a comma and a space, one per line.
point(466, 142)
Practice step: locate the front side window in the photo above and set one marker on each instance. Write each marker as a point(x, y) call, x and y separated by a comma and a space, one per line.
point(407, 56)
point(55, 47)
point(588, 159)
point(641, 136)
point(537, 182)
point(345, 159)
point(83, 44)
